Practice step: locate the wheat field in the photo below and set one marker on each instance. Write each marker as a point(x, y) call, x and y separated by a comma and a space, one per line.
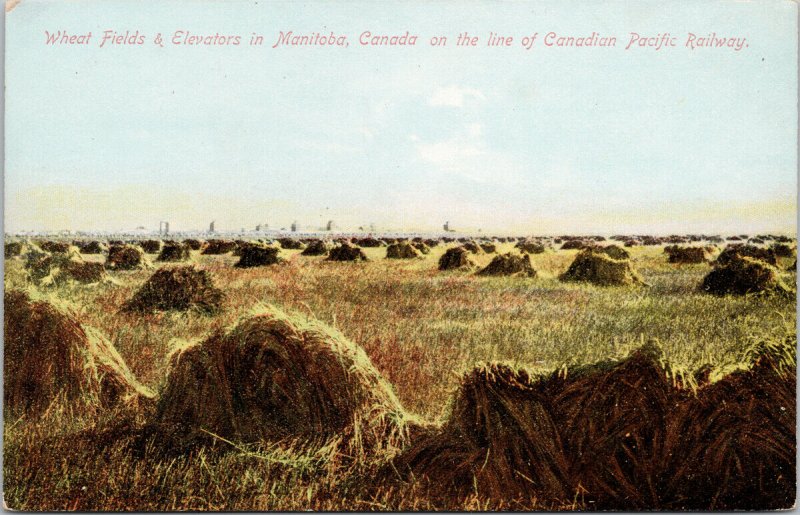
point(423, 330)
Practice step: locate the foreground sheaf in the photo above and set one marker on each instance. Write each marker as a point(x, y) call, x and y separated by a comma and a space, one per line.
point(623, 436)
point(48, 356)
point(272, 378)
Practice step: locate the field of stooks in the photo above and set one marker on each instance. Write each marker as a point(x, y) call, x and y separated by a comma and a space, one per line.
point(374, 374)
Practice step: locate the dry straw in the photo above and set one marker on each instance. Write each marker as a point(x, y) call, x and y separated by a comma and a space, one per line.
point(275, 377)
point(217, 247)
point(179, 288)
point(687, 255)
point(456, 258)
point(316, 248)
point(255, 254)
point(593, 265)
point(126, 257)
point(49, 356)
point(402, 250)
point(623, 435)
point(45, 269)
point(174, 251)
point(509, 264)
point(346, 252)
point(744, 275)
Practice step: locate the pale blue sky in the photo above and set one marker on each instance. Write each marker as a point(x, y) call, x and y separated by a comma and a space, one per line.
point(546, 140)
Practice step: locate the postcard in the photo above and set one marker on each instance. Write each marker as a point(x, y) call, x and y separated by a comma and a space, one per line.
point(525, 255)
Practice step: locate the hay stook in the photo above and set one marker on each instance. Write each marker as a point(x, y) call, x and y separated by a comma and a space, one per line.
point(594, 266)
point(687, 255)
point(174, 252)
point(49, 356)
point(744, 275)
point(402, 250)
point(316, 248)
point(254, 254)
point(530, 247)
point(45, 269)
point(509, 264)
point(456, 258)
point(619, 435)
point(151, 246)
point(732, 252)
point(272, 378)
point(215, 247)
point(346, 252)
point(178, 288)
point(126, 257)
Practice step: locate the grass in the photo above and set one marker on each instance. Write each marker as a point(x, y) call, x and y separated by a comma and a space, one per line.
point(422, 329)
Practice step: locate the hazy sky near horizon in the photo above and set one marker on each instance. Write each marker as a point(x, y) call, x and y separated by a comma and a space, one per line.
point(504, 139)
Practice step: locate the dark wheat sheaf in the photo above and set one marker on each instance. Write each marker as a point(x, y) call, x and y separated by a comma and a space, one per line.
point(177, 288)
point(273, 377)
point(509, 264)
point(174, 251)
point(402, 250)
point(456, 258)
point(218, 247)
point(316, 248)
point(254, 254)
point(126, 257)
point(346, 252)
point(618, 435)
point(741, 275)
point(49, 356)
point(596, 266)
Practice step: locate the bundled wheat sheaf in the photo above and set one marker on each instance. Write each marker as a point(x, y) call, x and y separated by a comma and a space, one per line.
point(126, 257)
point(509, 264)
point(177, 288)
point(472, 247)
point(13, 249)
point(741, 275)
point(456, 258)
point(274, 377)
point(574, 245)
point(55, 246)
point(596, 266)
point(687, 255)
point(193, 244)
point(47, 270)
point(421, 246)
point(783, 250)
point(50, 357)
point(316, 248)
point(369, 242)
point(256, 254)
point(290, 243)
point(174, 251)
point(732, 252)
point(92, 247)
point(346, 252)
point(622, 435)
point(530, 247)
point(151, 246)
point(402, 250)
point(215, 247)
